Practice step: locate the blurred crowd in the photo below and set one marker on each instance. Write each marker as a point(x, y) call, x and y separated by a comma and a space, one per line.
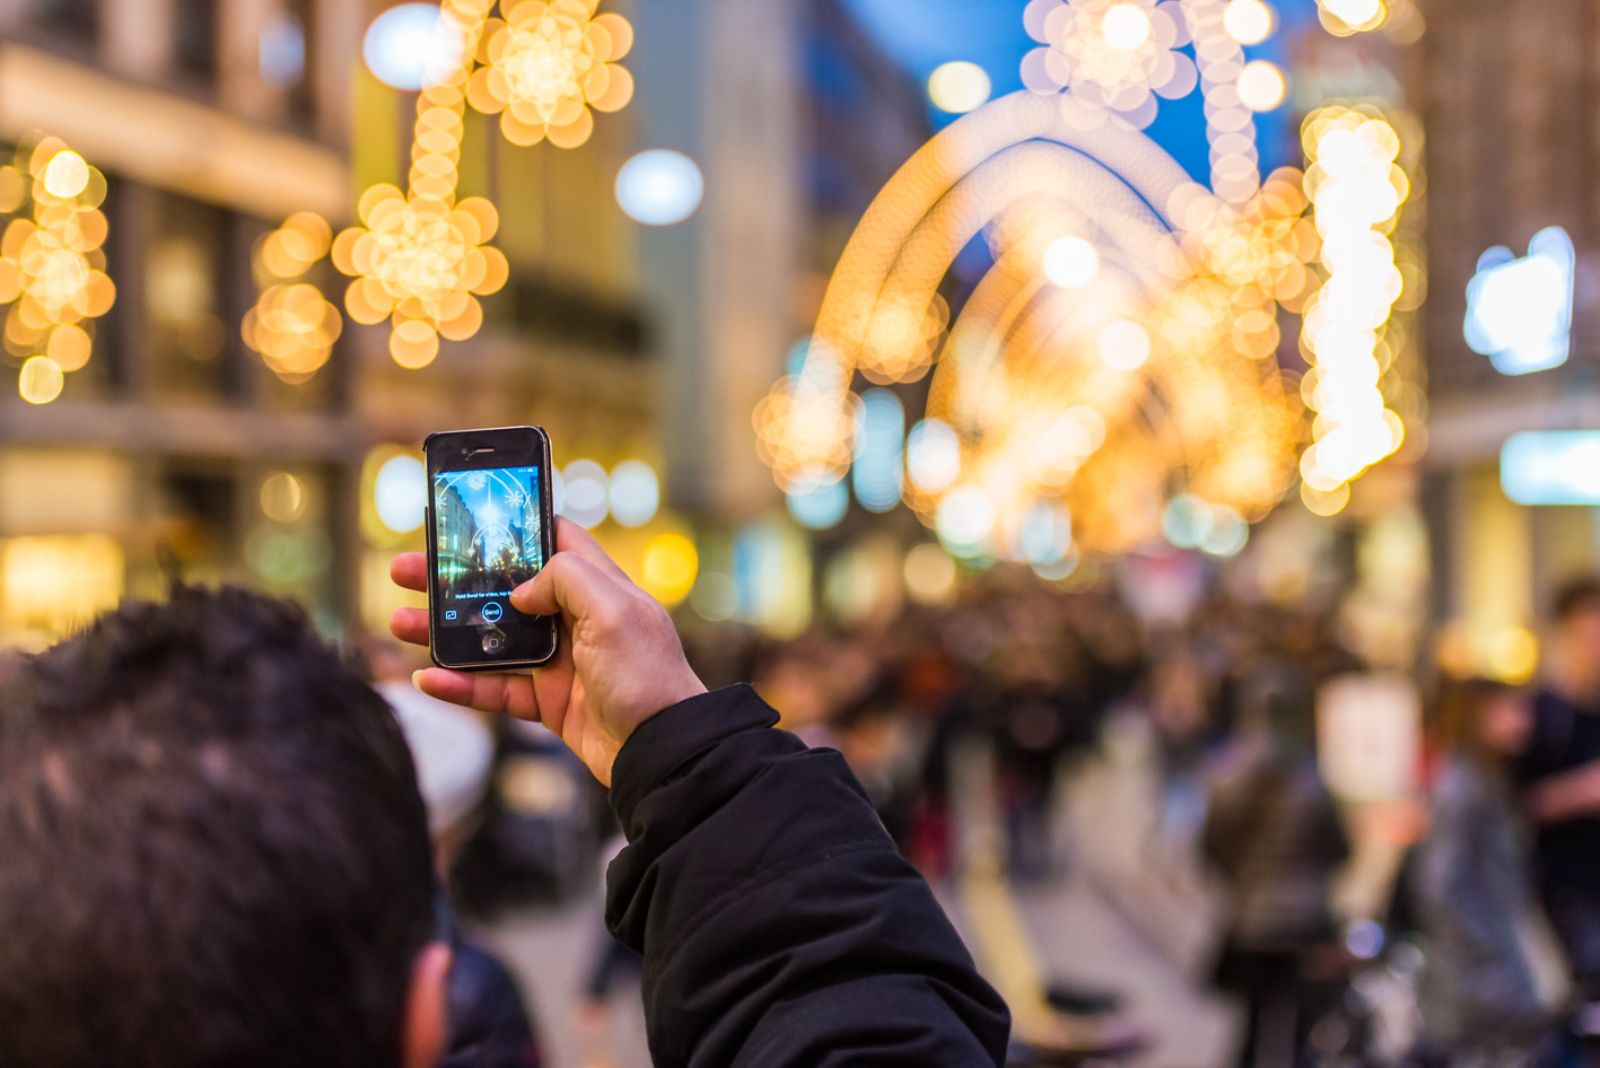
point(1450, 918)
point(1473, 939)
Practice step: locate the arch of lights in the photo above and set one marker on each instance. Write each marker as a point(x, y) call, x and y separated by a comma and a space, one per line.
point(1119, 360)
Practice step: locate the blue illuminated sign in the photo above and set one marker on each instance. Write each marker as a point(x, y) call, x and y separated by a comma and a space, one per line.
point(1519, 311)
point(1552, 467)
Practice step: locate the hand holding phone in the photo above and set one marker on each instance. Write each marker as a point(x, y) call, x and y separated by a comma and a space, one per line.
point(619, 660)
point(489, 531)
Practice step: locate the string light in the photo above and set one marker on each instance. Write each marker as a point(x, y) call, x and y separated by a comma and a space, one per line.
point(547, 64)
point(1117, 55)
point(419, 258)
point(52, 264)
point(1065, 403)
point(292, 325)
point(1356, 190)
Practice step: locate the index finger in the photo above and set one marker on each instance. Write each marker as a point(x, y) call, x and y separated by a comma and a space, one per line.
point(410, 571)
point(573, 585)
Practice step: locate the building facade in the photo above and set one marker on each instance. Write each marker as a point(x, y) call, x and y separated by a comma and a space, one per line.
point(175, 452)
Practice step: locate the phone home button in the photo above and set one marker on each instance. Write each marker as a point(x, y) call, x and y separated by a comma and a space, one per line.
point(494, 642)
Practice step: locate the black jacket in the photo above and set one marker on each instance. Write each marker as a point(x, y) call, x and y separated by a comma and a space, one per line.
point(778, 924)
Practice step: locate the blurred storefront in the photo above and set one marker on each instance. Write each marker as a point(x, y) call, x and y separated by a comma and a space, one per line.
point(176, 452)
point(1513, 142)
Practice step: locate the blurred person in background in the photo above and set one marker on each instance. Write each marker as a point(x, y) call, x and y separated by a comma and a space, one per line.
point(1558, 772)
point(1273, 834)
point(1479, 998)
point(491, 1025)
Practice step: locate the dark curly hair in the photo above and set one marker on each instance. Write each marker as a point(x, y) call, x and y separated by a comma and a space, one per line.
point(212, 847)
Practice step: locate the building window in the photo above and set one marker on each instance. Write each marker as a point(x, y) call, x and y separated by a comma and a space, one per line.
point(186, 308)
point(81, 18)
point(194, 26)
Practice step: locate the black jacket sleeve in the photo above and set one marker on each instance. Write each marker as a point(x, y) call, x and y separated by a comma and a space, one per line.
point(778, 924)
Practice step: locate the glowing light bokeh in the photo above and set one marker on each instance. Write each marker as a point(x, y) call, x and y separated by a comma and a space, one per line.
point(660, 187)
point(410, 46)
point(1261, 85)
point(1117, 55)
point(1356, 190)
point(1519, 310)
point(548, 66)
point(958, 87)
point(586, 496)
point(292, 326)
point(419, 258)
point(52, 264)
point(1249, 22)
point(400, 493)
point(634, 493)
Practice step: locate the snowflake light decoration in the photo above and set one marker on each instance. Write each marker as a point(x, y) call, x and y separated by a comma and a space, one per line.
point(292, 325)
point(1113, 54)
point(421, 263)
point(547, 64)
point(420, 258)
point(52, 264)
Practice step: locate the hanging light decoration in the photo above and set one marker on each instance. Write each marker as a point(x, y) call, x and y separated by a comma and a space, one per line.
point(420, 258)
point(52, 264)
point(548, 66)
point(292, 326)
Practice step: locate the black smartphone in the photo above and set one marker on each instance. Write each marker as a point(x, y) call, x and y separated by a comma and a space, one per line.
point(491, 528)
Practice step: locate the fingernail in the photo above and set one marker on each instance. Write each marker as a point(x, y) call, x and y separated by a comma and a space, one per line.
point(416, 678)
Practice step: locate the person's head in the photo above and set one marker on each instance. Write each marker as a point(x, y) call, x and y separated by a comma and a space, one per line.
point(212, 851)
point(1576, 613)
point(1482, 719)
point(1277, 700)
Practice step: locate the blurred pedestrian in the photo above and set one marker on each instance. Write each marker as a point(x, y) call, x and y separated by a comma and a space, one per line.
point(1273, 834)
point(1559, 773)
point(1479, 996)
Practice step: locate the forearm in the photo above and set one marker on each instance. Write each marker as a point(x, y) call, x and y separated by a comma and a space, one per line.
point(1570, 795)
point(779, 925)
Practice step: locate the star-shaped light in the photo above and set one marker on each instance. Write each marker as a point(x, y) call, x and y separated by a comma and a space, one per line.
point(547, 64)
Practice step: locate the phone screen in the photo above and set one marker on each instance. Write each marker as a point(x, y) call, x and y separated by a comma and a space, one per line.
point(489, 540)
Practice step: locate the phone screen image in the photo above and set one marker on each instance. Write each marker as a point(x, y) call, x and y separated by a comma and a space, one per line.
point(488, 541)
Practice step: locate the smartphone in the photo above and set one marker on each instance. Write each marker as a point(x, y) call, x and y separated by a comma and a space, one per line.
point(490, 528)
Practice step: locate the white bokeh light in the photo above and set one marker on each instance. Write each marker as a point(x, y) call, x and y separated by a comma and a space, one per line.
point(660, 187)
point(411, 46)
point(635, 493)
point(586, 493)
point(400, 493)
point(1071, 262)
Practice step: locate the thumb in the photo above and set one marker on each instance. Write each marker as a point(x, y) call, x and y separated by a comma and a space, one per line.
point(568, 584)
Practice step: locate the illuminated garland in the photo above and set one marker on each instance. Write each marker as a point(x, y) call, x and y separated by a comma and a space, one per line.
point(546, 65)
point(420, 258)
point(52, 265)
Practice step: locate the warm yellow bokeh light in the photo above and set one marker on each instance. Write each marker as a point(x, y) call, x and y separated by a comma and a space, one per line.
point(1249, 22)
point(1346, 17)
point(1261, 85)
point(930, 574)
point(283, 497)
point(958, 87)
point(41, 380)
point(52, 263)
point(669, 567)
point(546, 65)
point(420, 258)
point(66, 175)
